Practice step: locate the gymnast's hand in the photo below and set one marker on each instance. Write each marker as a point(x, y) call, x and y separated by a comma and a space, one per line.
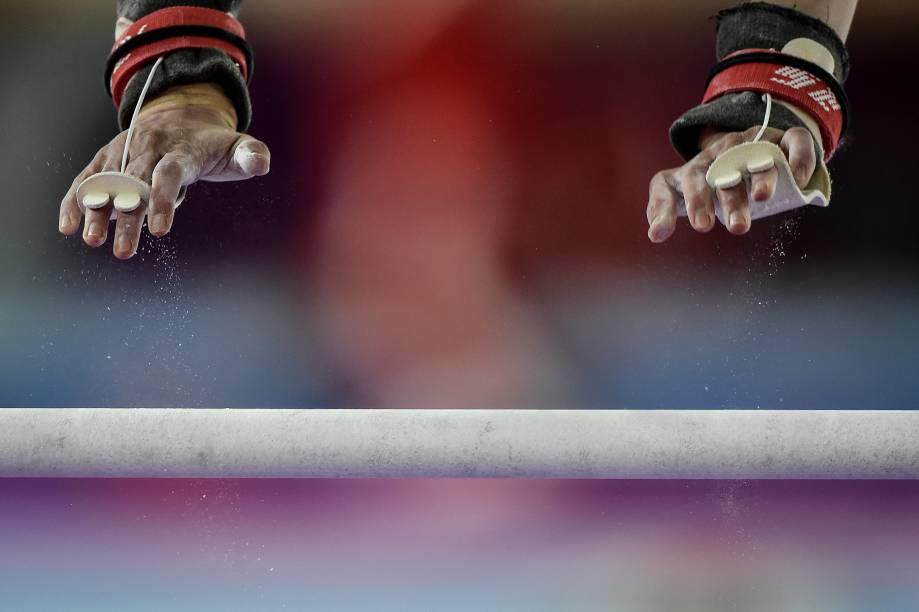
point(688, 182)
point(183, 136)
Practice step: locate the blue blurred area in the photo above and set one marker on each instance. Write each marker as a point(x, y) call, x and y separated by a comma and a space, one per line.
point(753, 342)
point(86, 592)
point(216, 343)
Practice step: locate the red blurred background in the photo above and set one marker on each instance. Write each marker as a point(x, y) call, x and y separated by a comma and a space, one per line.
point(455, 218)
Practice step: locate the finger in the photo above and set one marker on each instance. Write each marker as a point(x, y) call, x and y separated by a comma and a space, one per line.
point(700, 206)
point(95, 226)
point(96, 222)
point(662, 208)
point(71, 212)
point(798, 145)
point(248, 158)
point(128, 225)
point(735, 208)
point(762, 185)
point(127, 233)
point(169, 175)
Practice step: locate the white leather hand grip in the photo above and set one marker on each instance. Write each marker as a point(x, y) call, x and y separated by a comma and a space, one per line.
point(126, 192)
point(735, 166)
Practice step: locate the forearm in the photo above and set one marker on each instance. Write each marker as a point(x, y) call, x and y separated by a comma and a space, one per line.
point(837, 14)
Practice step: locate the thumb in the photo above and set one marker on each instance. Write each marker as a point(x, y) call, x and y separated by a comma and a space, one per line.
point(250, 158)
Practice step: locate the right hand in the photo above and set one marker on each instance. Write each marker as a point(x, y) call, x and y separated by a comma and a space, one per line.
point(175, 144)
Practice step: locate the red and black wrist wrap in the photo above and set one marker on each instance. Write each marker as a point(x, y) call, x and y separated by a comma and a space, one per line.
point(174, 29)
point(748, 36)
point(790, 79)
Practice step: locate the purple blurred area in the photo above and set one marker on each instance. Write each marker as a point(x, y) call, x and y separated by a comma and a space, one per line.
point(644, 546)
point(455, 218)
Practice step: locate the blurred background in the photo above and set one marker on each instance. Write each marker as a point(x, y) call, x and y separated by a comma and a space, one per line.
point(513, 545)
point(456, 218)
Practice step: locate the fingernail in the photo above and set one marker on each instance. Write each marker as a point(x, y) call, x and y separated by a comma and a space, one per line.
point(252, 161)
point(738, 221)
point(158, 224)
point(95, 230)
point(703, 219)
point(124, 243)
point(243, 154)
point(65, 222)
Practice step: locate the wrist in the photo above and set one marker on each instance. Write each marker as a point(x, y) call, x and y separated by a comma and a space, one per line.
point(207, 98)
point(709, 134)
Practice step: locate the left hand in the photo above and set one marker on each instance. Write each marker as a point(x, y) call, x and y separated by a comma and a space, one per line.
point(688, 183)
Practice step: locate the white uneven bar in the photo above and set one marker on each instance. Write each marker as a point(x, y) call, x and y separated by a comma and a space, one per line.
point(198, 443)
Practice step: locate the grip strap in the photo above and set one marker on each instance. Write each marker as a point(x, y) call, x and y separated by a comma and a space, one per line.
point(788, 78)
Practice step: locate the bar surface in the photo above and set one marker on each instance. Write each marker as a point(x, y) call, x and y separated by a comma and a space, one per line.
point(236, 443)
